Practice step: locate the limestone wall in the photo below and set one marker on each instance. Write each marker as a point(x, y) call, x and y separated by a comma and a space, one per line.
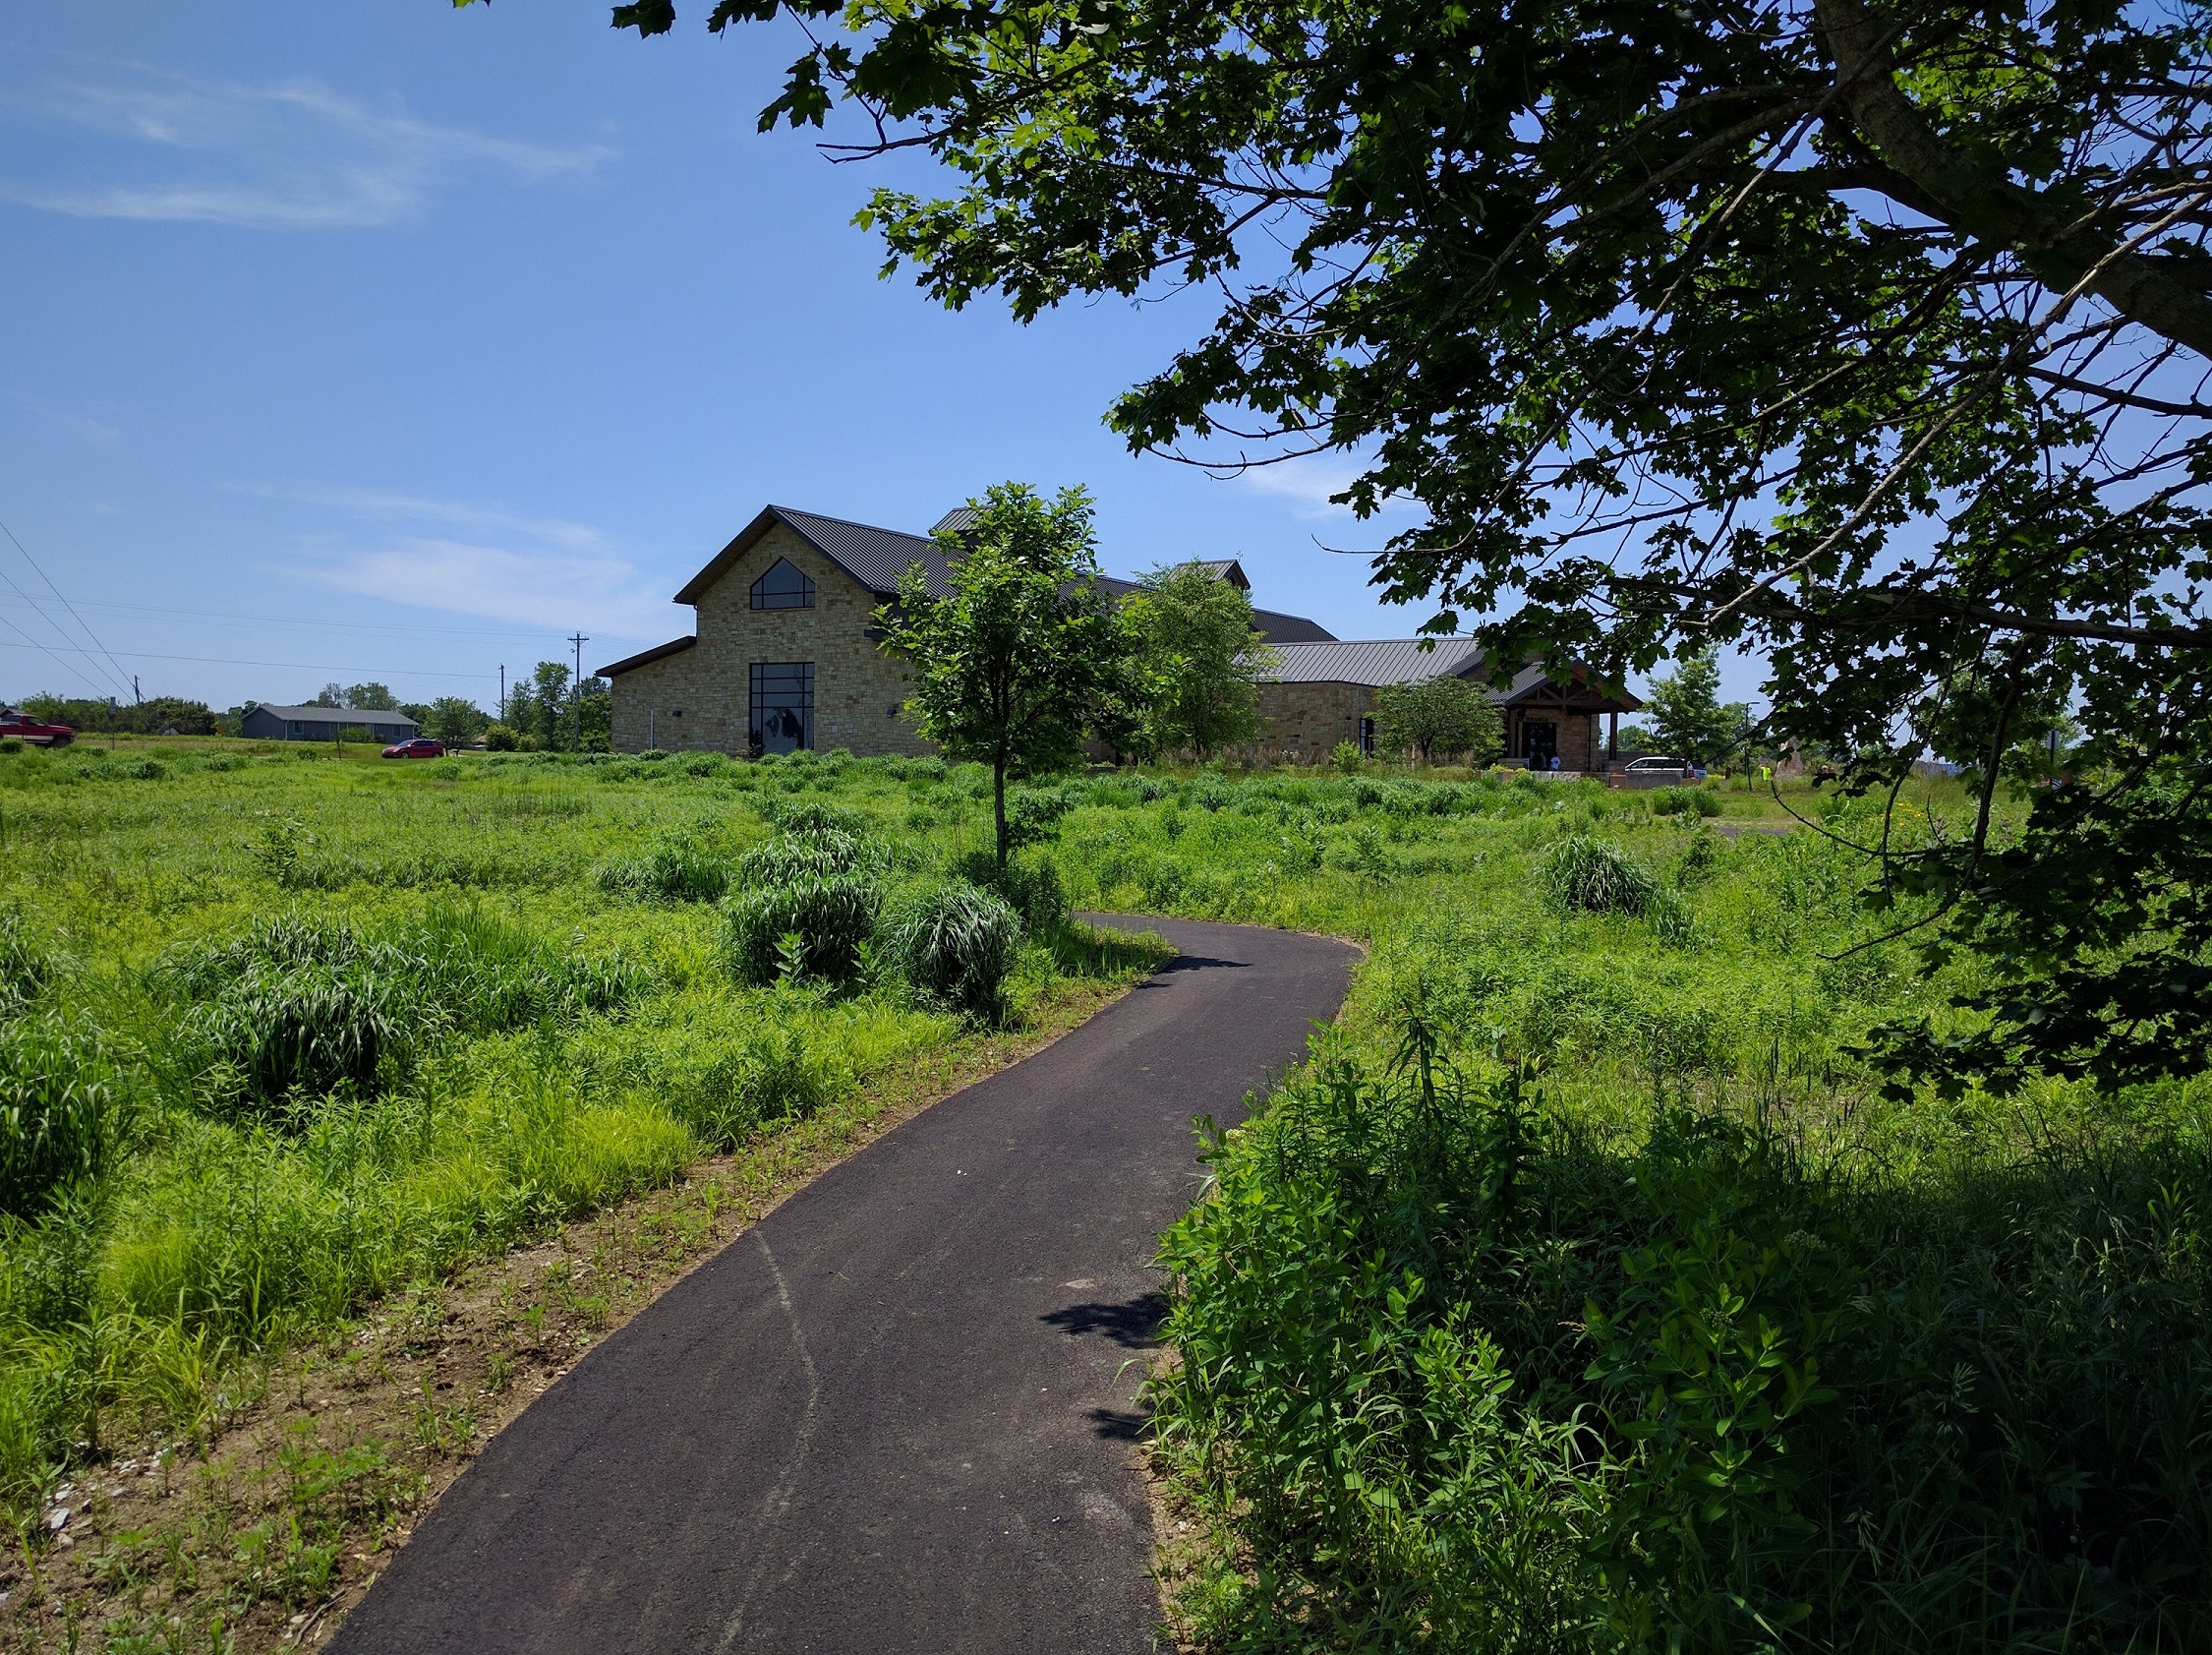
point(699, 699)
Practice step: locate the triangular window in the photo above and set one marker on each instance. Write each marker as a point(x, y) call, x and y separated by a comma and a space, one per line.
point(783, 586)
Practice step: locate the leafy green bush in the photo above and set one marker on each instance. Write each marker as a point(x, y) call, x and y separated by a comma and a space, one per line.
point(807, 924)
point(281, 1036)
point(56, 1107)
point(677, 869)
point(1504, 1384)
point(956, 943)
point(1584, 875)
point(1031, 889)
point(1685, 802)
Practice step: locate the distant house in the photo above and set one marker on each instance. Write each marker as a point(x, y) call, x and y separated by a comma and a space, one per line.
point(1323, 694)
point(785, 653)
point(323, 723)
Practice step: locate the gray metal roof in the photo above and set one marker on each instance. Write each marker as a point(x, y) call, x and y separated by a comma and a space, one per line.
point(876, 558)
point(1376, 662)
point(1280, 628)
point(347, 716)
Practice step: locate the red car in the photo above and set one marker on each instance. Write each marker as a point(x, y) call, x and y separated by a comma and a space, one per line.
point(421, 747)
point(26, 728)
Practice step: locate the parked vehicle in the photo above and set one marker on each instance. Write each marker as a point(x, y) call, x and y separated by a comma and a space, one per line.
point(421, 747)
point(24, 728)
point(1656, 770)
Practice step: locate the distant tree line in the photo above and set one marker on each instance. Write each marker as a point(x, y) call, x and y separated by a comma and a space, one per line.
point(160, 715)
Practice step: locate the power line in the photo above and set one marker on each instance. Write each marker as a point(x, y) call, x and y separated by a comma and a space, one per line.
point(30, 642)
point(61, 632)
point(73, 614)
point(229, 661)
point(293, 620)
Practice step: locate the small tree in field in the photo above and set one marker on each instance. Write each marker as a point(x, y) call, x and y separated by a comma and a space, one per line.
point(1199, 660)
point(455, 718)
point(1428, 718)
point(1005, 666)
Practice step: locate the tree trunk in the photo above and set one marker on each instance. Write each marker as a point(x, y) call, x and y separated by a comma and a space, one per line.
point(998, 807)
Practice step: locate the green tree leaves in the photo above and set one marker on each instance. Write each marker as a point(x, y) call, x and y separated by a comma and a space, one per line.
point(1198, 661)
point(1437, 719)
point(1006, 664)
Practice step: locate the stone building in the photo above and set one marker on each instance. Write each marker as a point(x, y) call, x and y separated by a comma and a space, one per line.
point(1324, 693)
point(785, 653)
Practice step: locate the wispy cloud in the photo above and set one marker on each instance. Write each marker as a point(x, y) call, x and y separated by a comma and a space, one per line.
point(470, 558)
point(289, 155)
point(1308, 482)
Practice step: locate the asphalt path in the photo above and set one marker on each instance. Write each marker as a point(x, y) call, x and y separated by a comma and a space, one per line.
point(897, 1414)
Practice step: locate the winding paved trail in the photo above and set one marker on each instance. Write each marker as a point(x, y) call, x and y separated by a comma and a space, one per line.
point(897, 1414)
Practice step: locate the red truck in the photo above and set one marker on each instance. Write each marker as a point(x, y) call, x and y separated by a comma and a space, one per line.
point(24, 728)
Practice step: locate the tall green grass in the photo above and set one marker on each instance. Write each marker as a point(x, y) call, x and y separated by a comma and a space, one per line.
point(280, 1033)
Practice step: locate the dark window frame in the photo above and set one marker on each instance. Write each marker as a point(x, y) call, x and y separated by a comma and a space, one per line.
point(789, 693)
point(782, 595)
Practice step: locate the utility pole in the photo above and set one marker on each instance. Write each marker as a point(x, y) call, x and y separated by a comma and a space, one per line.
point(503, 692)
point(137, 700)
point(577, 688)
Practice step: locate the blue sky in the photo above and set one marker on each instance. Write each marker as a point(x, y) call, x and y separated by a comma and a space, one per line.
point(356, 339)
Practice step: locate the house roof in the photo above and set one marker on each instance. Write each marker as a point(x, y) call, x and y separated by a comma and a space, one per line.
point(875, 558)
point(646, 656)
point(1374, 661)
point(345, 716)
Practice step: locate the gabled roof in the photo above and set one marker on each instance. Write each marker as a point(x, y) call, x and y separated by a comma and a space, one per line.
point(645, 657)
point(348, 717)
point(875, 558)
point(1376, 662)
point(1280, 628)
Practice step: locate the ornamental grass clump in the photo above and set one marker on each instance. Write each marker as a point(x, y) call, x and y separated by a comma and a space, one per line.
point(56, 1109)
point(956, 944)
point(677, 870)
point(25, 966)
point(1585, 874)
point(805, 907)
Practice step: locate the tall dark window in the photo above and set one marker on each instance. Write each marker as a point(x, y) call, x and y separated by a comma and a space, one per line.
point(1539, 741)
point(783, 706)
point(783, 586)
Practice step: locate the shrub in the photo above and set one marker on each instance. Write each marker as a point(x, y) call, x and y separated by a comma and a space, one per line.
point(1582, 874)
point(11, 744)
point(831, 914)
point(700, 764)
point(502, 738)
point(1031, 890)
point(813, 816)
point(799, 856)
point(674, 870)
point(1685, 802)
point(1032, 814)
point(956, 943)
point(772, 1072)
point(56, 1102)
point(1347, 759)
point(281, 1036)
